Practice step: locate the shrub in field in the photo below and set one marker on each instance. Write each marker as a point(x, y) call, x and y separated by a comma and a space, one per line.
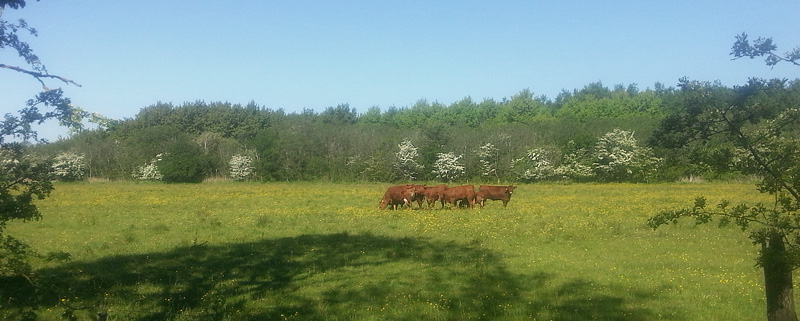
point(184, 162)
point(615, 157)
point(618, 157)
point(406, 165)
point(448, 166)
point(487, 156)
point(574, 164)
point(536, 165)
point(266, 163)
point(241, 167)
point(149, 172)
point(69, 166)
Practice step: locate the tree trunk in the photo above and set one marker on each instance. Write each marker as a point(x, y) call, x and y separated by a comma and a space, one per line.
point(778, 279)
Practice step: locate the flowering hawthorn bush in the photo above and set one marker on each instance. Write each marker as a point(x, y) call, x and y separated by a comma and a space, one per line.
point(406, 164)
point(618, 157)
point(487, 156)
point(241, 167)
point(149, 172)
point(69, 166)
point(573, 166)
point(448, 166)
point(615, 157)
point(534, 166)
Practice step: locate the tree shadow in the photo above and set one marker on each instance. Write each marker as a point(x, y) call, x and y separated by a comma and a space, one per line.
point(312, 277)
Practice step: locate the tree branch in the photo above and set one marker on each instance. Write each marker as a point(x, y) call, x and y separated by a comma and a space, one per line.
point(39, 75)
point(745, 142)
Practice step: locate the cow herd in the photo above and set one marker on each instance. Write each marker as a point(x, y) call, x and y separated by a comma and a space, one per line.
point(457, 196)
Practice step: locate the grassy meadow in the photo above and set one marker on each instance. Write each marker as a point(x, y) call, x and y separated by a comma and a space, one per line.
point(323, 251)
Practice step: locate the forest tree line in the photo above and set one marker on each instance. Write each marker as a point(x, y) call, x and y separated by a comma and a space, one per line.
point(524, 138)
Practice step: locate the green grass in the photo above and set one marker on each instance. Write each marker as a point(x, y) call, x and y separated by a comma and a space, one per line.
point(320, 251)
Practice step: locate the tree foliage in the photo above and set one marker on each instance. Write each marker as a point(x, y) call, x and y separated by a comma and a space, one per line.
point(183, 162)
point(241, 167)
point(618, 157)
point(69, 166)
point(406, 163)
point(536, 165)
point(23, 177)
point(488, 158)
point(448, 167)
point(339, 144)
point(763, 47)
point(760, 122)
point(149, 171)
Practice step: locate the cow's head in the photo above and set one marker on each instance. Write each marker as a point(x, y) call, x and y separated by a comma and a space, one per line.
point(411, 190)
point(383, 204)
point(510, 189)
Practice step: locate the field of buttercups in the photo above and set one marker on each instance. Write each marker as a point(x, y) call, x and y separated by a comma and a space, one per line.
point(311, 251)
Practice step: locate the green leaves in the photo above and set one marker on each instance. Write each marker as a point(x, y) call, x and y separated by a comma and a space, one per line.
point(743, 215)
point(183, 162)
point(743, 48)
point(762, 47)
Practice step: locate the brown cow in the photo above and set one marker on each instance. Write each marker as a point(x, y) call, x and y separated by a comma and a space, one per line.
point(419, 195)
point(464, 193)
point(397, 195)
point(432, 194)
point(497, 193)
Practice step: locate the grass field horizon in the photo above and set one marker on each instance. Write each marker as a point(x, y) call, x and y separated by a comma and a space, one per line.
point(324, 251)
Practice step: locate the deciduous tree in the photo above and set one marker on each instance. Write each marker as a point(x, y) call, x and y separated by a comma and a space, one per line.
point(763, 47)
point(618, 157)
point(241, 167)
point(488, 156)
point(406, 164)
point(69, 166)
point(762, 121)
point(23, 178)
point(448, 166)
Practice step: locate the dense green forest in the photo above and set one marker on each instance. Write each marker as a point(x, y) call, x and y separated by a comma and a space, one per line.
point(579, 135)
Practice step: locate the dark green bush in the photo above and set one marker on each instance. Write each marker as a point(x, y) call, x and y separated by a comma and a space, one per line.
point(184, 162)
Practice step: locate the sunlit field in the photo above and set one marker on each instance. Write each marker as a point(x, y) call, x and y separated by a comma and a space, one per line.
point(323, 251)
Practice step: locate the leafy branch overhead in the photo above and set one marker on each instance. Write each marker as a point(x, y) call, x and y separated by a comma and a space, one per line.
point(25, 178)
point(762, 47)
point(743, 215)
point(759, 123)
point(765, 143)
point(11, 39)
point(61, 107)
point(13, 4)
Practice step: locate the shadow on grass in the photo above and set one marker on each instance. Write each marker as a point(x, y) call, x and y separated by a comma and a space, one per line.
point(311, 277)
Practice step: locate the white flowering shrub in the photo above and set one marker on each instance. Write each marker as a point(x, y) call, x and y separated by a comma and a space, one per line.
point(448, 166)
point(241, 167)
point(487, 157)
point(9, 164)
point(406, 164)
point(149, 172)
point(572, 167)
point(575, 164)
point(536, 165)
point(618, 157)
point(69, 166)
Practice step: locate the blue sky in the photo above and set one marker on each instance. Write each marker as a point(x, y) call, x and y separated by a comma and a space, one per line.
point(314, 54)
